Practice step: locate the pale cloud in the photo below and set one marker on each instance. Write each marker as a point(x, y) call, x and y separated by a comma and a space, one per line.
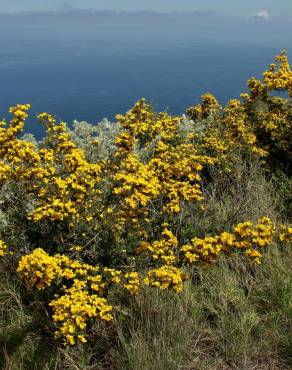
point(261, 14)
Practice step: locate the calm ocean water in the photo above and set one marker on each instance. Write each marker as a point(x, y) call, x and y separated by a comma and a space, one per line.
point(88, 73)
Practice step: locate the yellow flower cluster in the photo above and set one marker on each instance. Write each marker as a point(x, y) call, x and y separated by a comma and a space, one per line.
point(272, 113)
point(178, 169)
point(132, 282)
point(167, 168)
point(164, 250)
point(74, 308)
point(142, 124)
point(115, 275)
point(256, 125)
point(274, 78)
point(230, 131)
point(17, 157)
point(166, 277)
point(39, 269)
point(63, 193)
point(285, 233)
point(246, 236)
point(79, 302)
point(238, 130)
point(3, 248)
point(58, 174)
point(208, 106)
point(135, 186)
point(276, 124)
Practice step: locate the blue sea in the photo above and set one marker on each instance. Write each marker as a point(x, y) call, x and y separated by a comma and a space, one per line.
point(96, 71)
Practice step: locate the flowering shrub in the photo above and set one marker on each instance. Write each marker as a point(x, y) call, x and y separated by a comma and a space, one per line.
point(82, 288)
point(246, 237)
point(109, 204)
point(166, 277)
point(260, 124)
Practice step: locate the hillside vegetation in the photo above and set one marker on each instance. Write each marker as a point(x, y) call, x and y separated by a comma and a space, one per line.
point(156, 242)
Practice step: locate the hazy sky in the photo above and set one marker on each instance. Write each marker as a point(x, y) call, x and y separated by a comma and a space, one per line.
point(239, 7)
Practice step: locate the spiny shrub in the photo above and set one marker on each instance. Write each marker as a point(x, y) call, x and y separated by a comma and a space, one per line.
point(93, 210)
